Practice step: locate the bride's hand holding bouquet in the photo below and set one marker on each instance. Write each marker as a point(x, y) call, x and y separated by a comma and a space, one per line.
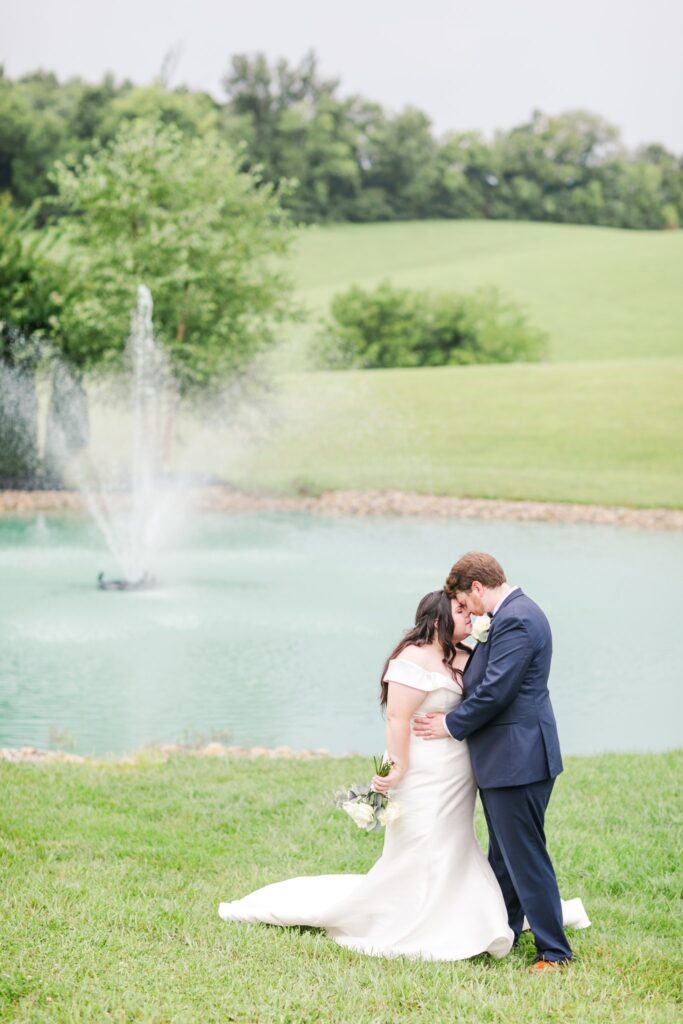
point(389, 775)
point(368, 806)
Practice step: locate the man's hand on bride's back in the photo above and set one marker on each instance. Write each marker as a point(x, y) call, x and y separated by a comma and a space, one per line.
point(431, 726)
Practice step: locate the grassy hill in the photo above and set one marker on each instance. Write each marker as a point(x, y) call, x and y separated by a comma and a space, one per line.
point(600, 422)
point(597, 433)
point(600, 293)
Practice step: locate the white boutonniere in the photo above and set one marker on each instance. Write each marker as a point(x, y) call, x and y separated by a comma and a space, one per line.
point(480, 628)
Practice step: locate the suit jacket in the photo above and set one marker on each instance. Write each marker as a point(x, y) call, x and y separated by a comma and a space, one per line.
point(506, 715)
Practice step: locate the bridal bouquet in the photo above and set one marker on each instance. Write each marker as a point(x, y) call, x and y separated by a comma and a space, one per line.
point(370, 811)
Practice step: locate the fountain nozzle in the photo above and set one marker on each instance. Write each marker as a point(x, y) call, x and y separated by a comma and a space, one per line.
point(145, 582)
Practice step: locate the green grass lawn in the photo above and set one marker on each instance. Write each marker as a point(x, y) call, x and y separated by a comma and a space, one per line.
point(601, 293)
point(598, 433)
point(111, 877)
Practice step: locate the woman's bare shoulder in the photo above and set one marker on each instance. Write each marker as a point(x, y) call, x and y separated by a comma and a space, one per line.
point(418, 655)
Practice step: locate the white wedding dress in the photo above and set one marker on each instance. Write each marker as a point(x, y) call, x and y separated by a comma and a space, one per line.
point(432, 894)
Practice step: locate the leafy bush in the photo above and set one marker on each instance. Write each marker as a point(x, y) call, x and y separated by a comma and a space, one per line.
point(402, 327)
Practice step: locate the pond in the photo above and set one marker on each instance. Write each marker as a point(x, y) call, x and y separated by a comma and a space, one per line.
point(271, 629)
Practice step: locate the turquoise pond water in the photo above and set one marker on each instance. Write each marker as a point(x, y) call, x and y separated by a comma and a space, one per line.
point(273, 629)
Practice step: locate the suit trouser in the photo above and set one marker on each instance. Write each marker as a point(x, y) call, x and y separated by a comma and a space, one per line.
point(515, 817)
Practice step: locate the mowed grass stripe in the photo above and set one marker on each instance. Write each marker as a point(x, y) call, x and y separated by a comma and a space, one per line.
point(599, 433)
point(600, 293)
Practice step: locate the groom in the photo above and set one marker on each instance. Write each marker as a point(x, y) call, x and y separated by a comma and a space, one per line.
point(508, 720)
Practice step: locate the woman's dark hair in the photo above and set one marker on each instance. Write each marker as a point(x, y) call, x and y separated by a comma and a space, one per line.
point(433, 613)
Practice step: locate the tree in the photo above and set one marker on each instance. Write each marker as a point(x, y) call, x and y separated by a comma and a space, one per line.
point(42, 120)
point(174, 212)
point(670, 169)
point(468, 175)
point(402, 163)
point(296, 128)
point(261, 94)
point(317, 152)
point(30, 138)
point(32, 298)
point(194, 113)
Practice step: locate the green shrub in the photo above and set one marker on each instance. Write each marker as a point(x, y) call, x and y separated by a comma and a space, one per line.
point(379, 328)
point(389, 326)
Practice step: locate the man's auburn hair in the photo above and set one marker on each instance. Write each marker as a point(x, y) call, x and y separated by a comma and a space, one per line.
point(474, 566)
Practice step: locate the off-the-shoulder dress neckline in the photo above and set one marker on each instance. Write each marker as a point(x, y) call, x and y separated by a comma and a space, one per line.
point(429, 671)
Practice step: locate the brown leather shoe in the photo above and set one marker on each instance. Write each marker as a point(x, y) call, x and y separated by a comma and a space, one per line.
point(547, 965)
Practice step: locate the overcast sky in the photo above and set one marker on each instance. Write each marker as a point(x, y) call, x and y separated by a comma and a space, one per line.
point(468, 63)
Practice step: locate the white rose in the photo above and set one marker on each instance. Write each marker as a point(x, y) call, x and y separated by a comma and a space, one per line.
point(363, 814)
point(389, 813)
point(480, 628)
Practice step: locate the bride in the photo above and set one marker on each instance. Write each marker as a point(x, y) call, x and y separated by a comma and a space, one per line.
point(432, 894)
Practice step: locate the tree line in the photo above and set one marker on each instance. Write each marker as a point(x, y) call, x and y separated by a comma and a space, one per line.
point(153, 205)
point(345, 158)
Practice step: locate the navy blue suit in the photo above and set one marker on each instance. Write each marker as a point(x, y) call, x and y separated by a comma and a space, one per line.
point(508, 720)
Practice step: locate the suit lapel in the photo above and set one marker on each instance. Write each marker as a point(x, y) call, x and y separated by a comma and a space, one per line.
point(479, 655)
point(471, 672)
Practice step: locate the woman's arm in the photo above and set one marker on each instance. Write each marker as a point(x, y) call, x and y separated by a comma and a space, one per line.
point(402, 702)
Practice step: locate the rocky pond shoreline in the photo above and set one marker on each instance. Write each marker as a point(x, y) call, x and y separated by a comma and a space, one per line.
point(161, 752)
point(377, 503)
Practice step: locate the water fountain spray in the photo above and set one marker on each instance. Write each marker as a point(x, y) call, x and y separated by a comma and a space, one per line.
point(134, 535)
point(136, 513)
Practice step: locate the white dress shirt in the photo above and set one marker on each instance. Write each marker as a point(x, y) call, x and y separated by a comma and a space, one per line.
point(504, 598)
